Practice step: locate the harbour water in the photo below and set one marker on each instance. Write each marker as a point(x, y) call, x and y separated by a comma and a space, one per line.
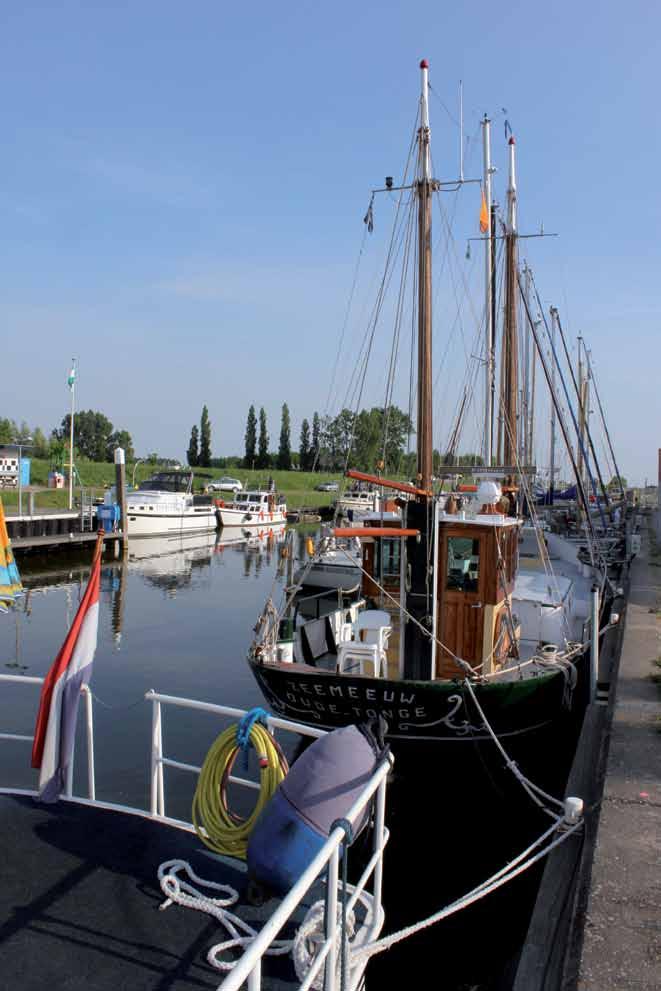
point(176, 617)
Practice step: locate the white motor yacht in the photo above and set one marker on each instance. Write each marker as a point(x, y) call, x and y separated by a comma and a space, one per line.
point(253, 509)
point(165, 504)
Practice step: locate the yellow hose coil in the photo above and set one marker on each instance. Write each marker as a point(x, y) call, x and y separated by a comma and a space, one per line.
point(217, 826)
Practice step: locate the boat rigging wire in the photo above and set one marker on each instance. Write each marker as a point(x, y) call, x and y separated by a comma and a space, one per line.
point(579, 441)
point(399, 313)
point(182, 892)
point(506, 874)
point(585, 416)
point(346, 318)
point(603, 420)
point(561, 420)
point(472, 365)
point(371, 327)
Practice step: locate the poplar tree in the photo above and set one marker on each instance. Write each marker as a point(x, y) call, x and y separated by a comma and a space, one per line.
point(263, 459)
point(304, 447)
point(193, 454)
point(251, 439)
point(316, 442)
point(284, 451)
point(205, 439)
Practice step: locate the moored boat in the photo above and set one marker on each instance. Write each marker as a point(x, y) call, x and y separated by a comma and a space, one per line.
point(165, 505)
point(448, 636)
point(257, 508)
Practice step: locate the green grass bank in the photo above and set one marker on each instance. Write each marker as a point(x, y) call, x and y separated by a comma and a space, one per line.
point(298, 487)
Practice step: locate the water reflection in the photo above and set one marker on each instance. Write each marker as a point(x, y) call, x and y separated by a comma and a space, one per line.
point(176, 615)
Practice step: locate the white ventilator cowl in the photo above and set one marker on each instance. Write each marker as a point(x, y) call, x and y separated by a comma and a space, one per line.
point(488, 493)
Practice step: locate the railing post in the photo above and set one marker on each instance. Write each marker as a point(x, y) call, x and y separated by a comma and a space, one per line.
point(379, 828)
point(91, 783)
point(68, 789)
point(594, 645)
point(255, 977)
point(156, 801)
point(331, 920)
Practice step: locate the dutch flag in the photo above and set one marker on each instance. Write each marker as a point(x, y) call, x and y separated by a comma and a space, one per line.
point(54, 735)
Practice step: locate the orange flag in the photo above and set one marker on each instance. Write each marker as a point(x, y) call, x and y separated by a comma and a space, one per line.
point(484, 215)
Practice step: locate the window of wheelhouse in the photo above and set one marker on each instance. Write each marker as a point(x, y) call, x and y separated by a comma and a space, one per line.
point(390, 556)
point(512, 555)
point(463, 564)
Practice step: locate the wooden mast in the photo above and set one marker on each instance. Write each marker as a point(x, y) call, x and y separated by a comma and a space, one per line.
point(424, 186)
point(510, 337)
point(417, 656)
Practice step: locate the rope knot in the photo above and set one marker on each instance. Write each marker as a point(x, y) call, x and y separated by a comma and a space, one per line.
point(243, 730)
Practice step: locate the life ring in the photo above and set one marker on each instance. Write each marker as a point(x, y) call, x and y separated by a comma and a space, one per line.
point(220, 503)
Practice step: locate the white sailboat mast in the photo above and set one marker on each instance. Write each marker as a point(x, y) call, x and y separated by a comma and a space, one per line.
point(510, 389)
point(424, 121)
point(511, 189)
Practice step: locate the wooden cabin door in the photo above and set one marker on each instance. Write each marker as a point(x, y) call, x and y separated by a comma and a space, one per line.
point(460, 601)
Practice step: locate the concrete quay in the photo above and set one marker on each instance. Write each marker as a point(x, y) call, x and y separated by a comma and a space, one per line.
point(622, 935)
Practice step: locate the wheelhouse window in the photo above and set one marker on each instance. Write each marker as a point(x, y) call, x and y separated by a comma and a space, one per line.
point(463, 567)
point(166, 482)
point(390, 551)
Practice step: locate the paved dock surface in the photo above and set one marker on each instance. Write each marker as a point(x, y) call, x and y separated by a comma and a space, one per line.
point(622, 943)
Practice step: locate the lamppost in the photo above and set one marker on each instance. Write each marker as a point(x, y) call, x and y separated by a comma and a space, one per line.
point(138, 462)
point(20, 445)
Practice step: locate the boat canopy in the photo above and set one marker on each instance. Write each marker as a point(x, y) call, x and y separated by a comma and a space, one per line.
point(168, 481)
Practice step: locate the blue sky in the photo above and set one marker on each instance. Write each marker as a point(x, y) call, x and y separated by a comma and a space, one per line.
point(182, 189)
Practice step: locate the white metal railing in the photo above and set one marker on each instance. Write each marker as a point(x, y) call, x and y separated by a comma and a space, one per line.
point(89, 729)
point(327, 860)
point(159, 761)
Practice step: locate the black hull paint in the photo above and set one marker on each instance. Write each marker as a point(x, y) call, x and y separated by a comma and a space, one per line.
point(439, 711)
point(456, 812)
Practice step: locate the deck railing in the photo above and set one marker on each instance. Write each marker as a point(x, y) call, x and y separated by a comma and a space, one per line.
point(21, 679)
point(326, 862)
point(159, 760)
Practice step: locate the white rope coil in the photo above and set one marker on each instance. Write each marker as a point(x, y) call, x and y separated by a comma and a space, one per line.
point(182, 892)
point(310, 936)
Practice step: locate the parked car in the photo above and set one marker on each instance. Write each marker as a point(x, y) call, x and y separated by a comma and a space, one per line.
point(225, 484)
point(327, 487)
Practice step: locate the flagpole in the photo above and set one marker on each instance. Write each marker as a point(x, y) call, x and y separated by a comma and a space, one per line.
point(73, 393)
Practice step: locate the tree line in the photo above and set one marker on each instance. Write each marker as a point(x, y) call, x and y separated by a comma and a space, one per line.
point(95, 438)
point(370, 439)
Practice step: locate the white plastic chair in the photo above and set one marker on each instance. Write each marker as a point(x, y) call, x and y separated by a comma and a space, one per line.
point(353, 657)
point(346, 632)
point(372, 626)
